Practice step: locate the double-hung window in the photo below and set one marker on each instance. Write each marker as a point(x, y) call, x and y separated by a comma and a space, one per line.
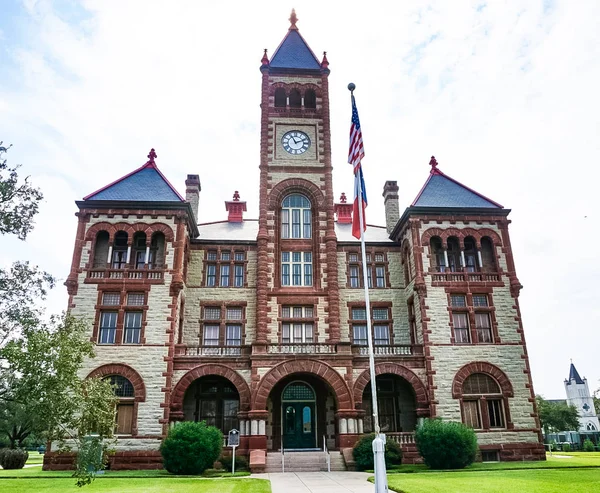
point(460, 318)
point(225, 268)
point(296, 269)
point(482, 318)
point(297, 324)
point(483, 404)
point(376, 270)
point(108, 327)
point(296, 218)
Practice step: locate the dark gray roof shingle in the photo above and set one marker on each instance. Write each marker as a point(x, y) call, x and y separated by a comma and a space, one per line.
point(294, 52)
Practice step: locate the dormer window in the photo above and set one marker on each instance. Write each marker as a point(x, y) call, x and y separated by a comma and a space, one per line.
point(296, 218)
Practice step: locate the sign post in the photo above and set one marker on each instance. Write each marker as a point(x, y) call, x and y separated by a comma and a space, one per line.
point(233, 441)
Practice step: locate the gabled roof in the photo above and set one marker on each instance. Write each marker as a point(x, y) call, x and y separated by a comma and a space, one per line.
point(574, 375)
point(294, 52)
point(145, 184)
point(442, 191)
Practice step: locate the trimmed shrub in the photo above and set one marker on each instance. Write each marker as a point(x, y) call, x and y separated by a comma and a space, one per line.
point(363, 453)
point(13, 458)
point(588, 445)
point(191, 448)
point(566, 447)
point(241, 462)
point(446, 444)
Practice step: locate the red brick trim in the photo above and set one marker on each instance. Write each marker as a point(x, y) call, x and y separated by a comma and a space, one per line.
point(130, 229)
point(481, 367)
point(126, 371)
point(294, 85)
point(461, 234)
point(323, 370)
point(395, 369)
point(298, 185)
point(211, 369)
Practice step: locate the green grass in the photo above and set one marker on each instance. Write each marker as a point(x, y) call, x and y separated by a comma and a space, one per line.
point(137, 485)
point(35, 458)
point(506, 481)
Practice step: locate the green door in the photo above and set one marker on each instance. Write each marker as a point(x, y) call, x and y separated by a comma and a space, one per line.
point(299, 425)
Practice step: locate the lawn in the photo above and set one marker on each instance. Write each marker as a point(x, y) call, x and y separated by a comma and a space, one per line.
point(565, 480)
point(137, 485)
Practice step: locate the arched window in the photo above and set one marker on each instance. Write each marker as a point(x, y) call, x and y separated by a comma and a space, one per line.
point(470, 254)
point(139, 250)
point(296, 219)
point(119, 253)
point(124, 391)
point(483, 403)
point(438, 260)
point(310, 99)
point(157, 252)
point(215, 400)
point(280, 98)
point(295, 99)
point(454, 263)
point(101, 250)
point(590, 427)
point(487, 255)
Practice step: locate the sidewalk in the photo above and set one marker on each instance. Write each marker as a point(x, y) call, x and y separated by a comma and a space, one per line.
point(318, 482)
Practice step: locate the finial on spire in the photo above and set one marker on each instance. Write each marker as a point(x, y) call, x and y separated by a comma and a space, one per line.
point(236, 196)
point(433, 163)
point(293, 19)
point(343, 198)
point(151, 157)
point(265, 58)
point(325, 62)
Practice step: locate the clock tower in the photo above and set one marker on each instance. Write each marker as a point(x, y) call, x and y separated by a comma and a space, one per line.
point(297, 259)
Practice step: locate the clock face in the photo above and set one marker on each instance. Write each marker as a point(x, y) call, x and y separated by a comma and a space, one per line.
point(295, 142)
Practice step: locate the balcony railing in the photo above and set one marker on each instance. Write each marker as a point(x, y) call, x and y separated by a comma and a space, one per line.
point(465, 277)
point(218, 351)
point(401, 438)
point(302, 348)
point(388, 350)
point(154, 274)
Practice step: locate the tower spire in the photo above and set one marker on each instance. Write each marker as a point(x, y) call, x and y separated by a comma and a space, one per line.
point(293, 19)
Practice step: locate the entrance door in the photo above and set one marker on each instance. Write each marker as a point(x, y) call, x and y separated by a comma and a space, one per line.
point(299, 425)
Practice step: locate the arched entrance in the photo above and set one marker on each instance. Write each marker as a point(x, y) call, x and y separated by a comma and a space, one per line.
point(397, 405)
point(213, 399)
point(298, 406)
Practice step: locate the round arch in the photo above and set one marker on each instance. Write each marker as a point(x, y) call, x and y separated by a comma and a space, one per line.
point(481, 367)
point(130, 229)
point(461, 234)
point(207, 370)
point(364, 378)
point(296, 185)
point(126, 371)
point(322, 370)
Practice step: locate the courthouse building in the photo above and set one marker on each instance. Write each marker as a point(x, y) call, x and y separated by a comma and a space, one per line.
point(260, 324)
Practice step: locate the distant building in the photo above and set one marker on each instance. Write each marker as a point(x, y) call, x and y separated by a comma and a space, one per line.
point(260, 324)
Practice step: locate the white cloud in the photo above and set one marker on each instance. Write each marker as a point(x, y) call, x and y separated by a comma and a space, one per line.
point(504, 94)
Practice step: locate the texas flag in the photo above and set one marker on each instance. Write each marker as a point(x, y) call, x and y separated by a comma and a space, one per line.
point(355, 155)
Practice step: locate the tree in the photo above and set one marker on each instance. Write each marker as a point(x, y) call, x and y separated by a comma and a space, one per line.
point(556, 416)
point(17, 423)
point(42, 368)
point(596, 398)
point(19, 201)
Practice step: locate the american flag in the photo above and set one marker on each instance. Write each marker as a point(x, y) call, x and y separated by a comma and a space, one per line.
point(355, 154)
point(356, 151)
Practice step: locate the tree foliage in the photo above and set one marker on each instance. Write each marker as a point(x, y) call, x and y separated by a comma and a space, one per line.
point(363, 453)
point(19, 201)
point(596, 398)
point(556, 416)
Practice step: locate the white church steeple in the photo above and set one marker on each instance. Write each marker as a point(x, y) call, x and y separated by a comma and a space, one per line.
point(578, 395)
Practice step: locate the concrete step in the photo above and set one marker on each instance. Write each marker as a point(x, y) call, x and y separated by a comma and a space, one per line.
point(304, 461)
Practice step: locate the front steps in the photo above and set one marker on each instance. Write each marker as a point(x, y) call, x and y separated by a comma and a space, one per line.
point(304, 461)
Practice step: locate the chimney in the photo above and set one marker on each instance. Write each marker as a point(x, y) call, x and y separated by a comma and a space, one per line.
point(235, 208)
point(343, 210)
point(192, 193)
point(390, 200)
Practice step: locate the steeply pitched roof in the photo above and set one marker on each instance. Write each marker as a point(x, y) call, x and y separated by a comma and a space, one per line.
point(145, 184)
point(294, 52)
point(442, 191)
point(574, 375)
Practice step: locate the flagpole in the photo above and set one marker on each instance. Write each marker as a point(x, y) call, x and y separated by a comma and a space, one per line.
point(379, 442)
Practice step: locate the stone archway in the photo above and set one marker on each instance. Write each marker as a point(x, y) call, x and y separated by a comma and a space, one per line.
point(364, 378)
point(210, 369)
point(322, 370)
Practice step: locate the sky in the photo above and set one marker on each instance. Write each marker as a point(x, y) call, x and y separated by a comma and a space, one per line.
point(503, 93)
